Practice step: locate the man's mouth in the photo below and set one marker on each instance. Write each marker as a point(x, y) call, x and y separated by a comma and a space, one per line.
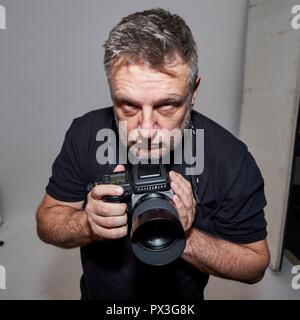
point(148, 145)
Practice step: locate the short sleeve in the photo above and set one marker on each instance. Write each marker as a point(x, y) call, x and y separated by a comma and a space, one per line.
point(241, 216)
point(67, 182)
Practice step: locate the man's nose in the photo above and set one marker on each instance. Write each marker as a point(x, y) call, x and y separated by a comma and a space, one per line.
point(147, 124)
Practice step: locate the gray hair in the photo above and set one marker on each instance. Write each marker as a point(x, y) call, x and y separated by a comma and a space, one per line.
point(153, 37)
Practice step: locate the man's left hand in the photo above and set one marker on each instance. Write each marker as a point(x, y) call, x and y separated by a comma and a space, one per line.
point(184, 200)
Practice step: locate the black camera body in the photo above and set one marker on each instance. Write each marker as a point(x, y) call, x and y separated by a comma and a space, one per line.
point(138, 181)
point(157, 236)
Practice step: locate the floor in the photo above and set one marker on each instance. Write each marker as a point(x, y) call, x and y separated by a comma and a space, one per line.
point(35, 270)
point(274, 286)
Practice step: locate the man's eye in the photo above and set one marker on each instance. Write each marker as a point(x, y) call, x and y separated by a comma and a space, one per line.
point(165, 108)
point(129, 107)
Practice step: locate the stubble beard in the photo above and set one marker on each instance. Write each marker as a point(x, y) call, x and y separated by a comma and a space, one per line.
point(145, 151)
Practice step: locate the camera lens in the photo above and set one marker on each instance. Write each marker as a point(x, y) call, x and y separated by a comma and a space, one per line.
point(157, 236)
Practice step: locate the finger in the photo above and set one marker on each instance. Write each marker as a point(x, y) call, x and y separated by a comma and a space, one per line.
point(114, 233)
point(102, 190)
point(185, 185)
point(186, 198)
point(110, 222)
point(182, 211)
point(107, 209)
point(178, 178)
point(184, 182)
point(179, 204)
point(119, 168)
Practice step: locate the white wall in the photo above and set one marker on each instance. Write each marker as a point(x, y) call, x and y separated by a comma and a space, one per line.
point(51, 71)
point(270, 107)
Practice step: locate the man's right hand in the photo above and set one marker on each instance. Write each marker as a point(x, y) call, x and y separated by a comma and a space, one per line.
point(106, 220)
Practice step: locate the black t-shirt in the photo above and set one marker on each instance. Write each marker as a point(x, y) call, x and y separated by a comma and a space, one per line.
point(231, 194)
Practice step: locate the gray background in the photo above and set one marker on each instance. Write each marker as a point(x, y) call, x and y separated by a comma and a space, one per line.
point(50, 72)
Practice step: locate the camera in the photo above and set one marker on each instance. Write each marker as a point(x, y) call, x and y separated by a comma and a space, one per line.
point(156, 234)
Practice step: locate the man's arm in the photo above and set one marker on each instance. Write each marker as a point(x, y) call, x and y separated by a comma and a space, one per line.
point(67, 225)
point(246, 263)
point(63, 224)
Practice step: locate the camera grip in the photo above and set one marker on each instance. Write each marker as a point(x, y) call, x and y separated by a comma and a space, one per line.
point(113, 199)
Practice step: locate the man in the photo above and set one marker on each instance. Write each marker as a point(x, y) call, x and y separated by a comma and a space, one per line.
point(151, 66)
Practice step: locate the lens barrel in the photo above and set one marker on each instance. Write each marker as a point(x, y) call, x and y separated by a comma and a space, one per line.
point(157, 236)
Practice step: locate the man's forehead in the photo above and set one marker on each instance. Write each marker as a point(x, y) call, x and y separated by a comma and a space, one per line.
point(134, 81)
point(120, 95)
point(175, 69)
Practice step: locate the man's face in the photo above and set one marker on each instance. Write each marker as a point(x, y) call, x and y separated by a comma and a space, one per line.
point(150, 100)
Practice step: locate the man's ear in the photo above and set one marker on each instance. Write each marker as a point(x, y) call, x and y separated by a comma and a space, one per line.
point(196, 86)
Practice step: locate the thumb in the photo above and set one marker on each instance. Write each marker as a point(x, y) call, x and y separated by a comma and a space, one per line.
point(119, 168)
